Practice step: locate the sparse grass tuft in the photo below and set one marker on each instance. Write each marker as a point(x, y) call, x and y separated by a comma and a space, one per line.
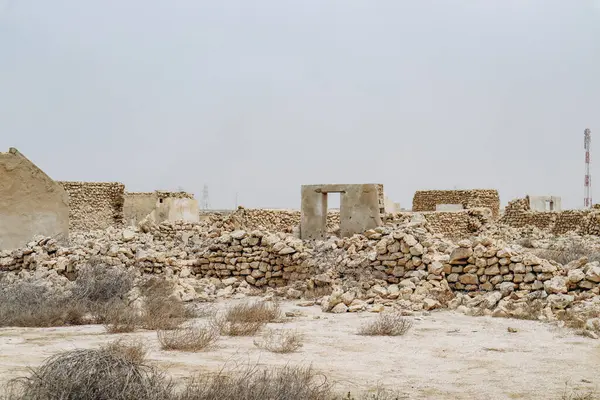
point(387, 324)
point(188, 338)
point(569, 394)
point(280, 341)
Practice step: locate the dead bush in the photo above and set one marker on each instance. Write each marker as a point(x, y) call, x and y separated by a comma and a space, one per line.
point(99, 283)
point(246, 319)
point(263, 312)
point(120, 318)
point(255, 383)
point(117, 371)
point(132, 349)
point(161, 309)
point(572, 251)
point(30, 304)
point(190, 338)
point(280, 341)
point(387, 324)
point(234, 328)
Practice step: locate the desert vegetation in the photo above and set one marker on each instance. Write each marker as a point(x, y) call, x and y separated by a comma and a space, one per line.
point(120, 371)
point(387, 324)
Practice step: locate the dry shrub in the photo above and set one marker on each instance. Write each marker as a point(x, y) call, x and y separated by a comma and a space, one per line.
point(118, 371)
point(246, 319)
point(205, 310)
point(388, 324)
point(132, 350)
point(161, 310)
point(31, 304)
point(280, 341)
point(190, 338)
point(99, 283)
point(573, 251)
point(254, 312)
point(233, 328)
point(255, 383)
point(120, 318)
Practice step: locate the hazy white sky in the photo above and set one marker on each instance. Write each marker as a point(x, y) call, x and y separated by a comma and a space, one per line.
point(260, 96)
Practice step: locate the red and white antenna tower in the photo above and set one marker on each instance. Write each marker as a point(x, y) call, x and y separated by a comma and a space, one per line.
point(587, 141)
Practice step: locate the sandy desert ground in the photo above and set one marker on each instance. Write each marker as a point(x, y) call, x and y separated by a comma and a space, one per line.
point(445, 355)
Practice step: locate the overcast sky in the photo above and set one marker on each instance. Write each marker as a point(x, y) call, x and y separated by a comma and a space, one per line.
point(257, 97)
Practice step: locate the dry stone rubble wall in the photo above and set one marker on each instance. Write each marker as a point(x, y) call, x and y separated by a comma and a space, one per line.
point(518, 214)
point(94, 205)
point(426, 200)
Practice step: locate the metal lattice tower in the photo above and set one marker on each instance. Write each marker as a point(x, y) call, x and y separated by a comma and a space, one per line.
point(587, 196)
point(205, 205)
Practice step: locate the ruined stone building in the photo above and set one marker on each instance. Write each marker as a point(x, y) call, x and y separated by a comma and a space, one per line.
point(94, 205)
point(160, 206)
point(449, 200)
point(31, 203)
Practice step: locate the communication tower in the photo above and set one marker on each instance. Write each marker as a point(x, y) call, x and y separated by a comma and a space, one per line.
point(587, 196)
point(205, 205)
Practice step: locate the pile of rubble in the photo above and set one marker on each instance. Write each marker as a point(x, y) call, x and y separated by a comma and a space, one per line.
point(403, 266)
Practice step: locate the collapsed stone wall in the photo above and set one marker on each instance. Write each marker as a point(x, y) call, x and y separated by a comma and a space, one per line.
point(408, 256)
point(272, 220)
point(518, 214)
point(403, 256)
point(94, 205)
point(260, 258)
point(426, 200)
point(451, 224)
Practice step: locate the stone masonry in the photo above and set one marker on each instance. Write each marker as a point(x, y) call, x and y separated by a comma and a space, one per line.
point(94, 205)
point(518, 214)
point(427, 200)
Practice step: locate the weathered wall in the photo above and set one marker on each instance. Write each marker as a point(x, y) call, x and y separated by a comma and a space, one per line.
point(538, 203)
point(137, 205)
point(176, 209)
point(361, 207)
point(518, 214)
point(426, 200)
point(31, 203)
point(165, 205)
point(272, 220)
point(94, 205)
point(451, 224)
